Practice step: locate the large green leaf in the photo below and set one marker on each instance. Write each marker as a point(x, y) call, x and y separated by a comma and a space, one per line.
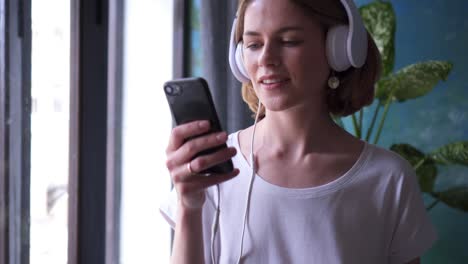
point(413, 81)
point(426, 172)
point(410, 153)
point(456, 197)
point(453, 153)
point(380, 21)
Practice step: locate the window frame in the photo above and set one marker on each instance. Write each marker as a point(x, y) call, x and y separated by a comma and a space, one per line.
point(95, 131)
point(15, 128)
point(181, 39)
point(114, 130)
point(89, 122)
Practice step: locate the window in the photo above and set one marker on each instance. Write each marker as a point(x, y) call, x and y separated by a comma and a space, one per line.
point(145, 236)
point(61, 182)
point(49, 131)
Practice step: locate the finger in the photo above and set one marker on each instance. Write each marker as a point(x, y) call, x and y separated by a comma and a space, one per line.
point(181, 132)
point(206, 161)
point(181, 174)
point(194, 146)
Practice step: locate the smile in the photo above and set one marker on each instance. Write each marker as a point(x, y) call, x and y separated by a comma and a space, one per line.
point(273, 83)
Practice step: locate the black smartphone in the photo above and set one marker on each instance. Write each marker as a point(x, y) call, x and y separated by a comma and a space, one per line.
point(189, 100)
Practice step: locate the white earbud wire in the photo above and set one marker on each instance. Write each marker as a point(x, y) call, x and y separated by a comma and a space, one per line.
point(254, 169)
point(214, 226)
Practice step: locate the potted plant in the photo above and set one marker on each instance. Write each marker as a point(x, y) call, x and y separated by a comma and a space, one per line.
point(412, 81)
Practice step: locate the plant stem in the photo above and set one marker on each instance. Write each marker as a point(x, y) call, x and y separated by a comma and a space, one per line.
point(374, 118)
point(387, 105)
point(432, 205)
point(357, 131)
point(361, 115)
point(419, 163)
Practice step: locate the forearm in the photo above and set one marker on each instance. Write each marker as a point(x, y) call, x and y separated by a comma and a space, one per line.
point(188, 238)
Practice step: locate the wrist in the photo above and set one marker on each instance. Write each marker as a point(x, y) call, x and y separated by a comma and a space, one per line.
point(188, 217)
point(192, 203)
point(188, 210)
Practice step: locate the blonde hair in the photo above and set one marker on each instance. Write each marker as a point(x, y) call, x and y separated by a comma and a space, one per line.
point(356, 88)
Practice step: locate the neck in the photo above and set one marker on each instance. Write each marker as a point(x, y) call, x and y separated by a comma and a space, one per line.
point(297, 132)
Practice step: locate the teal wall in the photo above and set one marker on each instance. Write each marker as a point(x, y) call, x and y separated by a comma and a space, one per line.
point(426, 30)
point(434, 30)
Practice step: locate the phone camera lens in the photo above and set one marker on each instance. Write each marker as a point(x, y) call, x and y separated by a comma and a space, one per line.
point(169, 90)
point(176, 90)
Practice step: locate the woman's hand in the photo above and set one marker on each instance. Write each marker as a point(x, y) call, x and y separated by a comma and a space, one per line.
point(183, 170)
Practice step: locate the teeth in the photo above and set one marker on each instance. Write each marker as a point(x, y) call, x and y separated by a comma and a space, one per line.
point(271, 81)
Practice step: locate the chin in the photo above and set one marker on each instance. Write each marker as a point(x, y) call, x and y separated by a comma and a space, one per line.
point(276, 104)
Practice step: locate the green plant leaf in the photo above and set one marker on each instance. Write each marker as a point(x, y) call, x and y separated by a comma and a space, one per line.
point(453, 153)
point(413, 81)
point(380, 20)
point(426, 172)
point(456, 197)
point(427, 175)
point(338, 121)
point(410, 153)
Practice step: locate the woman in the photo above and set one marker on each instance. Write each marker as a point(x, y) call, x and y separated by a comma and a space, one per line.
point(319, 194)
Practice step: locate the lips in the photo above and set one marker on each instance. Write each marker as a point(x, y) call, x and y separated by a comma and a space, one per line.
point(272, 81)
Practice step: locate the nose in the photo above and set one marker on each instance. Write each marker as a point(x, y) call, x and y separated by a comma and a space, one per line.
point(269, 56)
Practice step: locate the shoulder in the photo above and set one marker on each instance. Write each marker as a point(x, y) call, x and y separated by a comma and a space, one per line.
point(387, 161)
point(387, 172)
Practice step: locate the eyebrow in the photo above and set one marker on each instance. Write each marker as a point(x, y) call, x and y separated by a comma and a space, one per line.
point(282, 30)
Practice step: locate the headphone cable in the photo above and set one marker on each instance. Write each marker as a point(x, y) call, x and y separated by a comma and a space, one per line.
point(214, 226)
point(252, 164)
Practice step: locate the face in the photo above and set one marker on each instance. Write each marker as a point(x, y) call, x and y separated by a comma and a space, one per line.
point(284, 54)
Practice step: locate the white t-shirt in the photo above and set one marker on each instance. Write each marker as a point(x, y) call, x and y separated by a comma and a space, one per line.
point(374, 213)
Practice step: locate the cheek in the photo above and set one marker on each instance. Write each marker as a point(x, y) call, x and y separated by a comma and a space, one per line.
point(250, 65)
point(299, 66)
point(312, 67)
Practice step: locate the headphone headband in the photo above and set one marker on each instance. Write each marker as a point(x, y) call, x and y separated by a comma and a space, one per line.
point(357, 39)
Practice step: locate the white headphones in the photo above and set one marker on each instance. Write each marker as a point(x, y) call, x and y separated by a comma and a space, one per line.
point(346, 45)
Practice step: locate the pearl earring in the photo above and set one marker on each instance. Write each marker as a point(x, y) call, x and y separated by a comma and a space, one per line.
point(333, 82)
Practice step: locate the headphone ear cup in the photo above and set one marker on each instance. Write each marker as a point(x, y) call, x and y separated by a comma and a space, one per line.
point(240, 62)
point(336, 46)
point(236, 61)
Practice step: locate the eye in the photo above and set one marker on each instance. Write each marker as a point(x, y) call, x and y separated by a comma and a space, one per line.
point(291, 43)
point(252, 46)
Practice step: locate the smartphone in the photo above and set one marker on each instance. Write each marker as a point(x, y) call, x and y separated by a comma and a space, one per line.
point(189, 100)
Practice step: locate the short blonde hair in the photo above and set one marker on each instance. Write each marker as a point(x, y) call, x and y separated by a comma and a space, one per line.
point(356, 88)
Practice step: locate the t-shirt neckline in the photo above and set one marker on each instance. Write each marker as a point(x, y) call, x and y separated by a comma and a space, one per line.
point(308, 192)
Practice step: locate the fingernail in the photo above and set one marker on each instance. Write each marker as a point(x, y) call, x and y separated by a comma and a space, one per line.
point(221, 136)
point(233, 151)
point(203, 124)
